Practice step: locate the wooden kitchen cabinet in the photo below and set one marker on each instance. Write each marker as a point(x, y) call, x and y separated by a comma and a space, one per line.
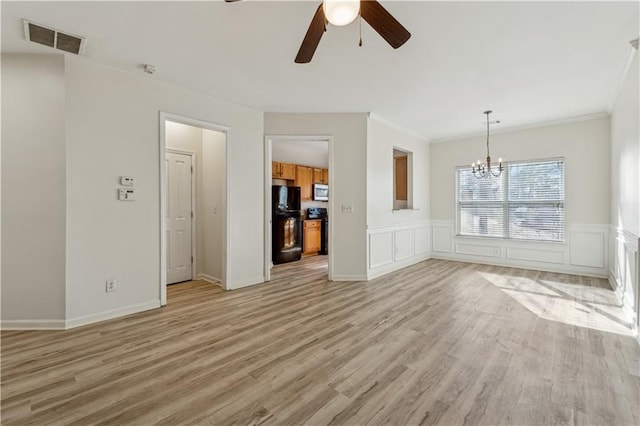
point(287, 171)
point(283, 170)
point(304, 179)
point(311, 237)
point(320, 176)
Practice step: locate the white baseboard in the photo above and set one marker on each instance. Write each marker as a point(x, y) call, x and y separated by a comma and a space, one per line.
point(384, 270)
point(32, 325)
point(114, 313)
point(209, 278)
point(560, 269)
point(341, 277)
point(245, 283)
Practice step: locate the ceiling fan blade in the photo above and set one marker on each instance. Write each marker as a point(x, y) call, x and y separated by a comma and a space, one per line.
point(231, 1)
point(386, 25)
point(312, 38)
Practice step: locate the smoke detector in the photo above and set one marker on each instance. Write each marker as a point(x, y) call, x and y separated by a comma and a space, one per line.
point(149, 69)
point(61, 40)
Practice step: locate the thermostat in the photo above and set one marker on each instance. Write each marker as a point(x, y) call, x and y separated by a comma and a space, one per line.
point(126, 181)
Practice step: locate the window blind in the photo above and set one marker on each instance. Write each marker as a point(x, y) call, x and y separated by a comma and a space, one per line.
point(525, 202)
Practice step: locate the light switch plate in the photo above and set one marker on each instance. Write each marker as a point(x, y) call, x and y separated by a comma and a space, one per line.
point(126, 194)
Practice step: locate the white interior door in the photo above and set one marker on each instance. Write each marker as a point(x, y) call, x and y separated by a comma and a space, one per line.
point(179, 217)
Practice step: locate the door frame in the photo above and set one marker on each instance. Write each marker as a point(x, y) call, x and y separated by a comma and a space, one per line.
point(176, 118)
point(269, 139)
point(194, 204)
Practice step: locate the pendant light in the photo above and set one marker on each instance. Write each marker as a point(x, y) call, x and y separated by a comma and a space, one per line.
point(341, 12)
point(484, 170)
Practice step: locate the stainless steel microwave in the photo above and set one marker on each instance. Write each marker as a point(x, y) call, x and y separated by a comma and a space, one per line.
point(320, 192)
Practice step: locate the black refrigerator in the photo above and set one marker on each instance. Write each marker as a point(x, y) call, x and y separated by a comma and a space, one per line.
point(286, 228)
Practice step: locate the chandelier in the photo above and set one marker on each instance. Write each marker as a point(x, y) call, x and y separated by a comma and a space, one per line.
point(484, 170)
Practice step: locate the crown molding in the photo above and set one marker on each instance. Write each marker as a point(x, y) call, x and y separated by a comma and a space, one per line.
point(376, 117)
point(633, 49)
point(548, 123)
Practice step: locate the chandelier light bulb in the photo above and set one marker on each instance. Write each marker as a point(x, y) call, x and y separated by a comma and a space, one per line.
point(341, 12)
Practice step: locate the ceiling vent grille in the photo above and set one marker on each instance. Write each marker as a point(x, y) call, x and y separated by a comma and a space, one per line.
point(51, 37)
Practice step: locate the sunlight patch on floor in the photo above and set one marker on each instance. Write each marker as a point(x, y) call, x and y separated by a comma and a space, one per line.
point(573, 304)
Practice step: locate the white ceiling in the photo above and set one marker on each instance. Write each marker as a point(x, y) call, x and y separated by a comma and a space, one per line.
point(528, 61)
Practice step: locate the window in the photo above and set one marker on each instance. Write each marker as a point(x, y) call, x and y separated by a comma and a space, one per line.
point(526, 202)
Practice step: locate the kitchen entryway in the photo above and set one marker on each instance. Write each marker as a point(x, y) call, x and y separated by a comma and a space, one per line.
point(298, 204)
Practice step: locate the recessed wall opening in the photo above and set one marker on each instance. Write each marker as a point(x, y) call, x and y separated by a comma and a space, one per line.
point(402, 179)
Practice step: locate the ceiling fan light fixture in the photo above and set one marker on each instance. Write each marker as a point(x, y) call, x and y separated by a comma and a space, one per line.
point(341, 12)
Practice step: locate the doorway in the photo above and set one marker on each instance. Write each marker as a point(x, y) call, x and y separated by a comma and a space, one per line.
point(193, 198)
point(294, 161)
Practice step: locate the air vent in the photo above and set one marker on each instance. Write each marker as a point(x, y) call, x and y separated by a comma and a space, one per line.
point(52, 37)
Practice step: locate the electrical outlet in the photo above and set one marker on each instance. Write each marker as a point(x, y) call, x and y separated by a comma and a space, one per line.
point(347, 208)
point(111, 286)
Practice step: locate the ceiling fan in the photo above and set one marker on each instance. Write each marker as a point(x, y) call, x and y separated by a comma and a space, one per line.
point(343, 12)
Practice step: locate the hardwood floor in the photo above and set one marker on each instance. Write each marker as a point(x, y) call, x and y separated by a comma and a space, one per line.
point(437, 343)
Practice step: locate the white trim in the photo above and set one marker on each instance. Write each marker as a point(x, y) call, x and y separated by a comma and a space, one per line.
point(209, 278)
point(267, 196)
point(547, 267)
point(33, 325)
point(395, 266)
point(500, 256)
point(404, 225)
point(375, 117)
point(246, 283)
point(113, 313)
point(194, 204)
point(164, 117)
point(560, 121)
point(349, 277)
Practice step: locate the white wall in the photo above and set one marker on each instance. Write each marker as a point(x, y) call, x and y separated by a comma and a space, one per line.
point(585, 145)
point(395, 238)
point(211, 215)
point(625, 192)
point(33, 190)
point(112, 130)
point(348, 175)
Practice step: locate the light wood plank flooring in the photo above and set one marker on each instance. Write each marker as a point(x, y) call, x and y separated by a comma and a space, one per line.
point(437, 343)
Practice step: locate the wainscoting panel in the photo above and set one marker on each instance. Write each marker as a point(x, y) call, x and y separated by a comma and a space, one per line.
point(486, 250)
point(381, 249)
point(625, 273)
point(442, 232)
point(535, 255)
point(404, 244)
point(397, 246)
point(588, 248)
point(421, 240)
point(585, 252)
